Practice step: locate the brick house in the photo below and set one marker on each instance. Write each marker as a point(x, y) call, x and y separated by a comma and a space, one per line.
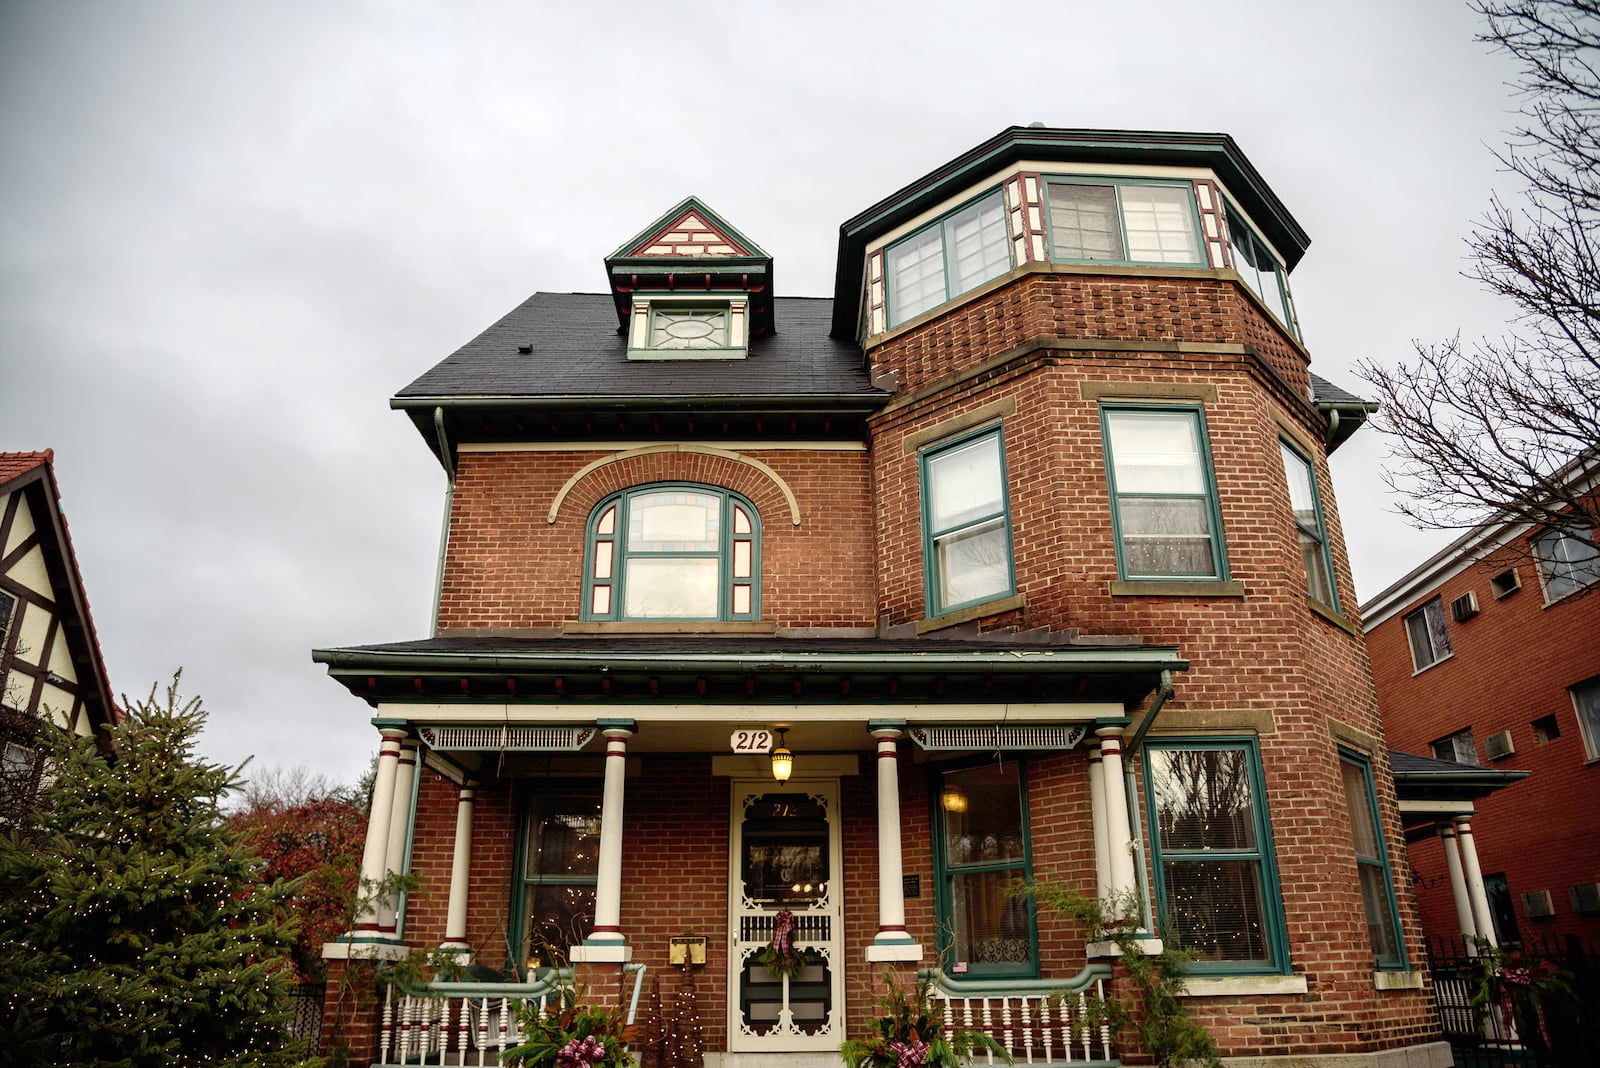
point(51, 671)
point(1487, 661)
point(1015, 559)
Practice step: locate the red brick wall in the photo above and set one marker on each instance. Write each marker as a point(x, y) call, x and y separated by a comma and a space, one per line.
point(506, 566)
point(1511, 665)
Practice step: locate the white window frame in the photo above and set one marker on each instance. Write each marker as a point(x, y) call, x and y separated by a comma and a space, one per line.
point(1119, 194)
point(1460, 743)
point(1561, 572)
point(642, 343)
point(1435, 656)
point(1587, 693)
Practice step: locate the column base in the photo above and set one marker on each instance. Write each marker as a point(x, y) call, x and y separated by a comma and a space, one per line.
point(460, 950)
point(365, 947)
point(611, 951)
point(887, 951)
point(1149, 945)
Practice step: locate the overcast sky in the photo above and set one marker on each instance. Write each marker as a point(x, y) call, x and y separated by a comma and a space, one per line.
point(230, 231)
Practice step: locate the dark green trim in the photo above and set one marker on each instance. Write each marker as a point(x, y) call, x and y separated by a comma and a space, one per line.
point(686, 204)
point(943, 871)
point(1219, 548)
point(1116, 184)
point(1277, 962)
point(1359, 760)
point(930, 557)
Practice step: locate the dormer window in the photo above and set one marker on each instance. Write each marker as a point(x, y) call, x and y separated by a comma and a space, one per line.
point(688, 326)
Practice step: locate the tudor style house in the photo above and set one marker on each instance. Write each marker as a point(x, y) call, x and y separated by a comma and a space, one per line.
point(1487, 659)
point(50, 667)
point(1014, 560)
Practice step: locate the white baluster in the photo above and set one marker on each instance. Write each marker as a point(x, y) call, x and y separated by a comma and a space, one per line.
point(988, 1026)
point(1044, 1028)
point(966, 1013)
point(1105, 1028)
point(1027, 1027)
point(949, 1014)
point(386, 1029)
point(404, 1044)
point(483, 1030)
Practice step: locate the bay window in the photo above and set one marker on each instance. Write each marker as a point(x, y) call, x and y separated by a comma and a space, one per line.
point(1123, 222)
point(946, 259)
point(1163, 495)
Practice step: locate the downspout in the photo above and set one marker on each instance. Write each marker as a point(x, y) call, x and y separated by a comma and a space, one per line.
point(1333, 423)
point(444, 525)
point(1136, 827)
point(411, 840)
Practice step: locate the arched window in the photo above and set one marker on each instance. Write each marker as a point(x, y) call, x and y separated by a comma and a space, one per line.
point(673, 552)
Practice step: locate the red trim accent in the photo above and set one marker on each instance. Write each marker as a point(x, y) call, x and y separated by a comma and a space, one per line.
point(888, 754)
point(900, 927)
point(606, 929)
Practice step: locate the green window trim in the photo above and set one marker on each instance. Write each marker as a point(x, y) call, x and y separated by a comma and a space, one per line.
point(720, 574)
point(1124, 210)
point(1372, 864)
point(974, 532)
point(946, 870)
point(1312, 532)
point(1200, 491)
point(1260, 269)
point(556, 939)
point(1255, 854)
point(931, 260)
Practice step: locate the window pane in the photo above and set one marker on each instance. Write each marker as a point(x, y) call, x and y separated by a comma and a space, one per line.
point(602, 559)
point(741, 559)
point(916, 275)
point(1586, 700)
point(608, 521)
point(990, 924)
point(979, 247)
point(1566, 562)
point(674, 522)
point(1380, 918)
point(973, 563)
point(1318, 584)
point(741, 600)
point(1203, 799)
point(1216, 909)
point(989, 828)
point(965, 484)
point(1156, 452)
point(600, 601)
point(670, 588)
point(1301, 496)
point(701, 328)
point(1083, 223)
point(1363, 828)
point(1160, 224)
point(564, 837)
point(741, 520)
point(554, 918)
point(1166, 536)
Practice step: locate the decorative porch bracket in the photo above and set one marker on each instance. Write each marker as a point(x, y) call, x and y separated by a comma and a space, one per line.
point(508, 737)
point(967, 736)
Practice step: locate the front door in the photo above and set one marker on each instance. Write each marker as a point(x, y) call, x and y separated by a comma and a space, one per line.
point(785, 887)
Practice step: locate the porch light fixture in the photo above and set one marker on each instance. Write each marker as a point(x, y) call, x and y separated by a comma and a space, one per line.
point(782, 759)
point(953, 799)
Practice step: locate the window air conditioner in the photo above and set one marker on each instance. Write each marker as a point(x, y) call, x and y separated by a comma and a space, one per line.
point(1498, 745)
point(1585, 897)
point(1537, 904)
point(1464, 607)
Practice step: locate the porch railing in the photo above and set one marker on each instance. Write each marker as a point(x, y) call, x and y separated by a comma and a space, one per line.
point(470, 1023)
point(1038, 1021)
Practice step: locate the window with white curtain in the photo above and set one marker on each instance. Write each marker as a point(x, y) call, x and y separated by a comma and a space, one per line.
point(946, 259)
point(1163, 497)
point(966, 522)
point(1307, 510)
point(1429, 634)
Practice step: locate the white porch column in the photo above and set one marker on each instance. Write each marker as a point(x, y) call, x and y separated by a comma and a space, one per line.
point(399, 821)
point(1458, 886)
point(606, 943)
point(374, 857)
point(1119, 836)
point(1474, 878)
point(1097, 810)
point(455, 922)
point(892, 942)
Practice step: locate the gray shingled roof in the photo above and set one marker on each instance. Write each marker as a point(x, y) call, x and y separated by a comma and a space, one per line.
point(1326, 392)
point(577, 352)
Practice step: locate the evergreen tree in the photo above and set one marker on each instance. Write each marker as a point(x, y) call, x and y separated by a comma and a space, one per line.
point(135, 929)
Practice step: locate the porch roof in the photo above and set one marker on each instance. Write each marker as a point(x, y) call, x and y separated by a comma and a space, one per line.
point(606, 669)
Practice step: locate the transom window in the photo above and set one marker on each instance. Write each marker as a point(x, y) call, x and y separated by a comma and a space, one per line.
point(1123, 222)
point(942, 261)
point(967, 546)
point(1568, 561)
point(1429, 635)
point(1163, 497)
point(1213, 855)
point(984, 927)
point(1308, 523)
point(673, 552)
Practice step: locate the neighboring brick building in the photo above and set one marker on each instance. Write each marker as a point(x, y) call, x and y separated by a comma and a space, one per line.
point(1043, 483)
point(1489, 654)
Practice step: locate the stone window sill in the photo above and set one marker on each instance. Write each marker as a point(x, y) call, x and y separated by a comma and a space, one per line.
point(1244, 985)
point(971, 612)
point(1326, 612)
point(666, 627)
point(1176, 588)
point(1396, 980)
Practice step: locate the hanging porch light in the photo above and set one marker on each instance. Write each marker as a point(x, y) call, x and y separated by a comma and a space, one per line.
point(782, 759)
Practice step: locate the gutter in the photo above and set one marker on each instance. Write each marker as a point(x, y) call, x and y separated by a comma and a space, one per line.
point(738, 402)
point(448, 460)
point(1163, 692)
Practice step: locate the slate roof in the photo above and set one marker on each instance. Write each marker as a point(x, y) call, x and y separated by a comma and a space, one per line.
point(1325, 392)
point(577, 352)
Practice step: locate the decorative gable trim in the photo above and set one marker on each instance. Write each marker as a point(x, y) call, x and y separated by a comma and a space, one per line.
point(690, 230)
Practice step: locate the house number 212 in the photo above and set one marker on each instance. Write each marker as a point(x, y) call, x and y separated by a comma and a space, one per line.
point(752, 741)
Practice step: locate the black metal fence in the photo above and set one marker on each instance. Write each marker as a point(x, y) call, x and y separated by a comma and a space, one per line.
point(1534, 1005)
point(305, 1016)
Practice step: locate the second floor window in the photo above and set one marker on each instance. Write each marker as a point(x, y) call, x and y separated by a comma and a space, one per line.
point(1308, 522)
point(1163, 498)
point(1123, 222)
point(1568, 561)
point(1429, 635)
point(967, 523)
point(940, 262)
point(673, 553)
